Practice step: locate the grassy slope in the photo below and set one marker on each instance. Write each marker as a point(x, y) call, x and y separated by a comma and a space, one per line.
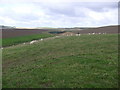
point(21, 39)
point(85, 61)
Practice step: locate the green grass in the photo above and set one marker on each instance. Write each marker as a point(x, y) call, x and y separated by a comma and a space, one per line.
point(86, 61)
point(0, 42)
point(21, 39)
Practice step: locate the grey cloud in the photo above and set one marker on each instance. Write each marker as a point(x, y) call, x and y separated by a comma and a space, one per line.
point(27, 17)
point(96, 6)
point(21, 17)
point(68, 9)
point(67, 14)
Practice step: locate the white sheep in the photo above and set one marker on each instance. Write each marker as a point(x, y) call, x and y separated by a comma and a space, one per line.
point(33, 41)
point(41, 39)
point(93, 33)
point(99, 33)
point(78, 34)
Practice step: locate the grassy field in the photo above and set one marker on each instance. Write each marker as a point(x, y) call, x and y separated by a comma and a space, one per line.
point(86, 61)
point(21, 39)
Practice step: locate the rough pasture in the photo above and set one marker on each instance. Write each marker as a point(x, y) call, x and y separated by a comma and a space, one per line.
point(85, 61)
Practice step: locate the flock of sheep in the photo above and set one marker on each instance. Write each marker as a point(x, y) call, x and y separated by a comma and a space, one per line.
point(88, 34)
point(96, 33)
point(40, 40)
point(35, 41)
point(66, 35)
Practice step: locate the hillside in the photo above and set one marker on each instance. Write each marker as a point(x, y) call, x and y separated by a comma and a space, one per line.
point(86, 61)
point(105, 29)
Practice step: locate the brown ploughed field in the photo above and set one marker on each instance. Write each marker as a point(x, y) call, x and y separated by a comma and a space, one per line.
point(106, 29)
point(7, 33)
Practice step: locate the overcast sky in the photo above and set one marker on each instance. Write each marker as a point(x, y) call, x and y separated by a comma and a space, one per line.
point(58, 14)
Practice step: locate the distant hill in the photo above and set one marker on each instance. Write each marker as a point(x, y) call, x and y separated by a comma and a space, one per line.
point(104, 29)
point(45, 28)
